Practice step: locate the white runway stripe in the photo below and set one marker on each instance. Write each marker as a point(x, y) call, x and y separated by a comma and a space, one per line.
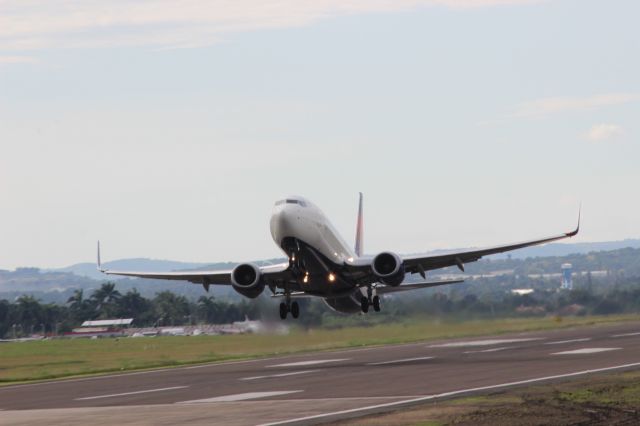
point(130, 393)
point(239, 397)
point(559, 342)
point(295, 373)
point(489, 350)
point(626, 334)
point(305, 363)
point(586, 351)
point(488, 342)
point(397, 361)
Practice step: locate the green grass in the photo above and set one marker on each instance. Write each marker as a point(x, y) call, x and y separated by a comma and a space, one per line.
point(600, 399)
point(37, 360)
point(626, 392)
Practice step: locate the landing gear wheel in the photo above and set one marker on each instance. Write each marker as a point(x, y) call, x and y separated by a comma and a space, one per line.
point(283, 310)
point(364, 304)
point(376, 303)
point(295, 310)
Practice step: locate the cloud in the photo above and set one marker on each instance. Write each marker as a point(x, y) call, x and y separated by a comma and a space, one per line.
point(8, 60)
point(39, 24)
point(556, 105)
point(604, 132)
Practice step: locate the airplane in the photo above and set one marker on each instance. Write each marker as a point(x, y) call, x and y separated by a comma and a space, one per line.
point(320, 264)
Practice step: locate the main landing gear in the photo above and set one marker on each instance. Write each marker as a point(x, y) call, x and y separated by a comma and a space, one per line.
point(368, 300)
point(289, 306)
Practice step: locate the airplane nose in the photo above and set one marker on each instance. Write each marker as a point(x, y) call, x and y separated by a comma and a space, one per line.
point(279, 224)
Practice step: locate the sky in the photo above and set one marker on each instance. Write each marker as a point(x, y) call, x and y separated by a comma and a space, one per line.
point(167, 129)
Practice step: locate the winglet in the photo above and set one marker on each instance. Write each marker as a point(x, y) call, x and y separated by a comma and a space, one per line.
point(575, 231)
point(359, 230)
point(99, 265)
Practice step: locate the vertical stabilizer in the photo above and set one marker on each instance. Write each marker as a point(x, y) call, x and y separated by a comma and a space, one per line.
point(359, 230)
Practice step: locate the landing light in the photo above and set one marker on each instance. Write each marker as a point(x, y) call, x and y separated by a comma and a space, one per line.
point(331, 277)
point(305, 279)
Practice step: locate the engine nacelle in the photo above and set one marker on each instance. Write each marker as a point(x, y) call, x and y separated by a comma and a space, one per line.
point(388, 268)
point(246, 279)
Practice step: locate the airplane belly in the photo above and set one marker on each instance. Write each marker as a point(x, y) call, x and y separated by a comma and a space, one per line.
point(345, 304)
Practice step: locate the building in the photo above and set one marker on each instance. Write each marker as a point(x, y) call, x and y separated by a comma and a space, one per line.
point(101, 328)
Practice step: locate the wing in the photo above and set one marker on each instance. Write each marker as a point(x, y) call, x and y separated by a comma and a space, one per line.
point(421, 263)
point(206, 278)
point(198, 277)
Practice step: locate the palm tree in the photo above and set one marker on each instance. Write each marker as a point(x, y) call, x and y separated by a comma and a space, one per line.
point(170, 308)
point(29, 312)
point(133, 305)
point(208, 309)
point(104, 298)
point(76, 300)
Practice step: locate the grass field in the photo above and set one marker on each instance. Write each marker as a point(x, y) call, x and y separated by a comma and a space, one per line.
point(47, 359)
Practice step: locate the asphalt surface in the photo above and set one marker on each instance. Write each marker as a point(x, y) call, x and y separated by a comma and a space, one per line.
point(321, 387)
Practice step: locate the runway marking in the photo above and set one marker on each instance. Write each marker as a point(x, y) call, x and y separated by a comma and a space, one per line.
point(398, 361)
point(449, 394)
point(586, 351)
point(490, 350)
point(304, 363)
point(559, 342)
point(130, 393)
point(295, 373)
point(487, 342)
point(626, 334)
point(239, 397)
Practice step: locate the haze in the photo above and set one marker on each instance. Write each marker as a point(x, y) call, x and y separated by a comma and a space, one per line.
point(169, 132)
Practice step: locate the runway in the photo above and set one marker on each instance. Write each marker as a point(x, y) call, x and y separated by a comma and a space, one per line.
point(321, 387)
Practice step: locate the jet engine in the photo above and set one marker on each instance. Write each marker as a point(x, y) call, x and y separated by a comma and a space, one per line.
point(247, 280)
point(388, 268)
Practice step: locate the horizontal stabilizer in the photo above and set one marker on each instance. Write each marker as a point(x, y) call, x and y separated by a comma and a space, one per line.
point(415, 286)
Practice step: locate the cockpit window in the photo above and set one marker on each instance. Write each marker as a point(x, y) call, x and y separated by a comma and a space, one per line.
point(299, 202)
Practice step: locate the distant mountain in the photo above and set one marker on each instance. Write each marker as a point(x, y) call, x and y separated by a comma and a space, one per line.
point(147, 265)
point(57, 285)
point(155, 265)
point(565, 249)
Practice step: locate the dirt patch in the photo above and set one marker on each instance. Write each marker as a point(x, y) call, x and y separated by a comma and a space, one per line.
point(609, 399)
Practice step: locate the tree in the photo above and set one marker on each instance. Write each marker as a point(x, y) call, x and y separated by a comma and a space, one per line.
point(80, 309)
point(208, 309)
point(29, 313)
point(105, 298)
point(133, 305)
point(5, 317)
point(171, 309)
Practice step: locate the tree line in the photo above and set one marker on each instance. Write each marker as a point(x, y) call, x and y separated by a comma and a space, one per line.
point(27, 315)
point(489, 297)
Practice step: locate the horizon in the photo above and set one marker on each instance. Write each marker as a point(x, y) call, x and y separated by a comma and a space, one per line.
point(514, 254)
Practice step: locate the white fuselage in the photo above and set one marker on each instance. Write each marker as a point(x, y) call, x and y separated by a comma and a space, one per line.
point(296, 217)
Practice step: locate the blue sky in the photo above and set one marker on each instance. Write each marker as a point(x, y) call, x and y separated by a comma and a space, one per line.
point(167, 129)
